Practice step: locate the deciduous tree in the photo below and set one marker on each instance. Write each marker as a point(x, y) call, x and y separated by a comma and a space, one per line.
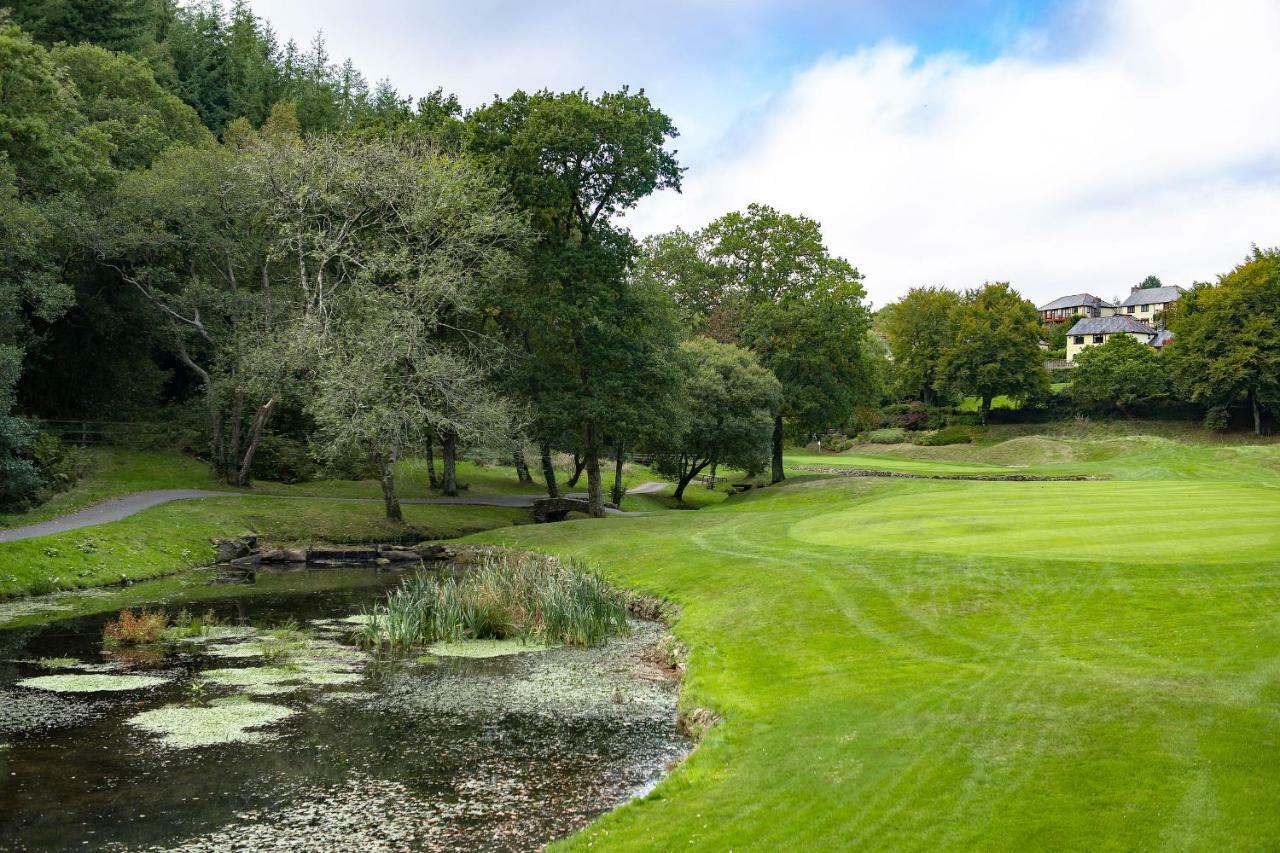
point(995, 349)
point(1226, 341)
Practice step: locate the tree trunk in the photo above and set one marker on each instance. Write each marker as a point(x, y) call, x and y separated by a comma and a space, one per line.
point(387, 477)
point(711, 478)
point(617, 493)
point(591, 461)
point(449, 447)
point(522, 467)
point(255, 437)
point(579, 462)
point(549, 471)
point(1257, 412)
point(687, 477)
point(984, 410)
point(778, 474)
point(433, 480)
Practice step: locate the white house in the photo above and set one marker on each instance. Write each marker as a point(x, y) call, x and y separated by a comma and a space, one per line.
point(1145, 304)
point(1098, 330)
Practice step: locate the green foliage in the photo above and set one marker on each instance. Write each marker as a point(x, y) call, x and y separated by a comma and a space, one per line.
point(1121, 372)
point(996, 348)
point(503, 596)
point(1227, 339)
point(887, 435)
point(919, 327)
point(729, 406)
point(1150, 282)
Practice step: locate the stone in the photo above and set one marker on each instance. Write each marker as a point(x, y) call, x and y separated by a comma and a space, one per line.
point(433, 551)
point(231, 549)
point(284, 555)
point(399, 555)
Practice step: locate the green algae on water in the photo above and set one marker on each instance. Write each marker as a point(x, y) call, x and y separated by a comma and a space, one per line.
point(232, 720)
point(91, 683)
point(485, 648)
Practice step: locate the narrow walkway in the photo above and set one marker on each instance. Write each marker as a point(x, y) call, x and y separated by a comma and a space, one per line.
point(122, 507)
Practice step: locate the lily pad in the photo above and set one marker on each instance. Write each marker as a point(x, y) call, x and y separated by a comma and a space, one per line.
point(224, 721)
point(91, 683)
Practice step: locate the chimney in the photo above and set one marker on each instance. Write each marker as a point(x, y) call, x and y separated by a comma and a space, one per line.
point(1135, 288)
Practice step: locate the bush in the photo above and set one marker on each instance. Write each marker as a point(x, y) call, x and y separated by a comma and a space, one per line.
point(144, 627)
point(957, 418)
point(282, 459)
point(1217, 418)
point(948, 435)
point(507, 595)
point(836, 443)
point(888, 435)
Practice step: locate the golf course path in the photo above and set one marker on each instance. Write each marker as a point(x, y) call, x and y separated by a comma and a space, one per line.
point(124, 506)
point(107, 511)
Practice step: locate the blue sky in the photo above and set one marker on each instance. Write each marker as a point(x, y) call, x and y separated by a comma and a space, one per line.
point(1065, 146)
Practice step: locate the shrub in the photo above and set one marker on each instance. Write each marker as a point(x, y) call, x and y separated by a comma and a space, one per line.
point(130, 629)
point(836, 443)
point(948, 435)
point(958, 418)
point(283, 460)
point(888, 435)
point(1217, 418)
point(507, 595)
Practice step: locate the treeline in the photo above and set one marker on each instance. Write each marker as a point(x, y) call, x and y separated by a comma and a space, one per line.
point(205, 227)
point(1224, 355)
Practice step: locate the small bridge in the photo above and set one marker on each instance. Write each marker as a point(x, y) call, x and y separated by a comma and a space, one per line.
point(558, 509)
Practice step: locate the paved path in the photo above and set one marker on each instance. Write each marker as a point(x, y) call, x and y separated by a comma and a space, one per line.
point(107, 511)
point(122, 507)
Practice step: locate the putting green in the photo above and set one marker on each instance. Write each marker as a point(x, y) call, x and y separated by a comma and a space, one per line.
point(1121, 521)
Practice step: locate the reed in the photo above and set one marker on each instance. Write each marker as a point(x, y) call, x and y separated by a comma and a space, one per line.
point(505, 595)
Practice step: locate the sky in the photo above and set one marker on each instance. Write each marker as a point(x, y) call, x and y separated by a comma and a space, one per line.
point(1065, 146)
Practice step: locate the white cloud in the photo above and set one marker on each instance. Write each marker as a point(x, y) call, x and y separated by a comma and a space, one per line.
point(1152, 148)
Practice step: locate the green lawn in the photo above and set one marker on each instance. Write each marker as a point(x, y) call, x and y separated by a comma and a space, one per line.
point(175, 536)
point(939, 665)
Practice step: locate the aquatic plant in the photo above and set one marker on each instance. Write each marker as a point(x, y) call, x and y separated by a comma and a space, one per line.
point(146, 626)
point(224, 721)
point(91, 682)
point(504, 596)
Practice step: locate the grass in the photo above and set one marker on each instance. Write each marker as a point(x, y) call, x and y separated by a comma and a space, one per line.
point(177, 535)
point(932, 665)
point(505, 595)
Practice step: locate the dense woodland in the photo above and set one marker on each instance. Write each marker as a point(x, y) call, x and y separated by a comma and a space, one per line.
point(300, 272)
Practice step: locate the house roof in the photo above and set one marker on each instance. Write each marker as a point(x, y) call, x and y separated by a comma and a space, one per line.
point(1162, 337)
point(1153, 296)
point(1077, 300)
point(1110, 326)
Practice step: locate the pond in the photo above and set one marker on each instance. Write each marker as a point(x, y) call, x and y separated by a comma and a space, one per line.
point(272, 730)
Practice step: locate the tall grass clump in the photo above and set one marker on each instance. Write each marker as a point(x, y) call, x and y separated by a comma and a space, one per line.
point(504, 596)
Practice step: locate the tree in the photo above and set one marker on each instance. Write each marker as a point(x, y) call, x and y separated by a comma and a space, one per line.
point(1122, 372)
point(729, 402)
point(781, 294)
point(919, 327)
point(1150, 282)
point(996, 348)
point(573, 163)
point(396, 245)
point(1226, 342)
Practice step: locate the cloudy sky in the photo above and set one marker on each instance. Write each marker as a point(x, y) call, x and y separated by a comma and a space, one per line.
point(1062, 145)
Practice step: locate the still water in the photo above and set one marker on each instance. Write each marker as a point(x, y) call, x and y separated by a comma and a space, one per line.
point(323, 746)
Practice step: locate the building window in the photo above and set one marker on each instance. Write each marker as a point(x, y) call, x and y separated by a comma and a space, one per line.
point(1146, 308)
point(1079, 340)
point(1097, 339)
point(1130, 309)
